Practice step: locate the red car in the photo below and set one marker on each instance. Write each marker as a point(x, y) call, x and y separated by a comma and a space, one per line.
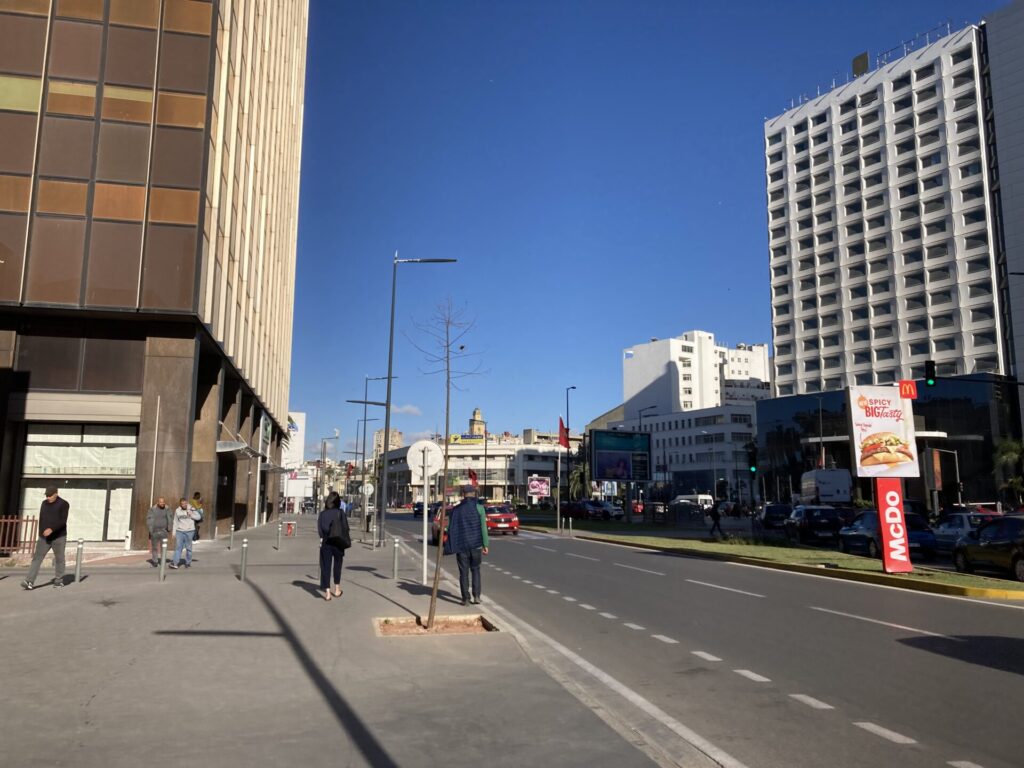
point(502, 519)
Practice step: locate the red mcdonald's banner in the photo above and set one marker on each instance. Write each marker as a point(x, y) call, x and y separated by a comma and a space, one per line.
point(895, 539)
point(908, 389)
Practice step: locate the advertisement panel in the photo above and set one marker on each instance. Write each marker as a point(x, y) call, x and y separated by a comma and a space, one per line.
point(293, 453)
point(465, 439)
point(882, 433)
point(895, 540)
point(620, 456)
point(538, 486)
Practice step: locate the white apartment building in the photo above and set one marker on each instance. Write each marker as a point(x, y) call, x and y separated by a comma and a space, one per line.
point(692, 372)
point(881, 227)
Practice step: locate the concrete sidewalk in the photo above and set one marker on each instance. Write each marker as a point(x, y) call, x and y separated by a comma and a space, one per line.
point(122, 670)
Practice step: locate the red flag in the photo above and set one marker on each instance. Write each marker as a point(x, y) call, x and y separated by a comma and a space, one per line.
point(563, 434)
point(472, 477)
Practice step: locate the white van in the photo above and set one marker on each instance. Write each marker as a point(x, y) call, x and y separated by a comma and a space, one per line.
point(702, 500)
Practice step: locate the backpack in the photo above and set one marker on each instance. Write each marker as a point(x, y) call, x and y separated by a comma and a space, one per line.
point(338, 533)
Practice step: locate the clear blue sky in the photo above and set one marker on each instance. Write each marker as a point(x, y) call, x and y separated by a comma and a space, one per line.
point(596, 167)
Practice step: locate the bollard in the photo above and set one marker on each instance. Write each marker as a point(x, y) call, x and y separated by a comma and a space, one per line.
point(570, 527)
point(78, 561)
point(231, 538)
point(163, 558)
point(245, 553)
point(279, 537)
point(394, 572)
point(128, 542)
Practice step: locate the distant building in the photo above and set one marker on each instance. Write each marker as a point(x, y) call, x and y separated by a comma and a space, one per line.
point(477, 425)
point(396, 441)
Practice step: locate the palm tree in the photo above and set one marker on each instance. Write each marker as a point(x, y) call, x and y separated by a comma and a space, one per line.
point(1007, 460)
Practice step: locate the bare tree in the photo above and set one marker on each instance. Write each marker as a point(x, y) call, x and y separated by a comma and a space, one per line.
point(445, 353)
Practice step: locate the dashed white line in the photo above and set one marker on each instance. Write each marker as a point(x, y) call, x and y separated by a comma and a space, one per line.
point(539, 586)
point(664, 639)
point(885, 733)
point(888, 624)
point(527, 581)
point(705, 655)
point(546, 549)
point(569, 599)
point(642, 570)
point(608, 615)
point(517, 577)
point(553, 592)
point(633, 626)
point(727, 589)
point(587, 607)
point(752, 676)
point(963, 764)
point(582, 557)
point(810, 701)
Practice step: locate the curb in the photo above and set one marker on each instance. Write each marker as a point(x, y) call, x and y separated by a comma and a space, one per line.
point(900, 582)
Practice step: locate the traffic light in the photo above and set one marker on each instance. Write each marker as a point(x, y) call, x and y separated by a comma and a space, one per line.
point(752, 457)
point(929, 373)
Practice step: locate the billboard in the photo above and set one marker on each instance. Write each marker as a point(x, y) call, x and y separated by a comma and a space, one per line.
point(621, 456)
point(882, 433)
point(538, 486)
point(465, 439)
point(294, 452)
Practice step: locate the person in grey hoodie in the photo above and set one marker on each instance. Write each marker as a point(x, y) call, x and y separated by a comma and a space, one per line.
point(184, 526)
point(159, 520)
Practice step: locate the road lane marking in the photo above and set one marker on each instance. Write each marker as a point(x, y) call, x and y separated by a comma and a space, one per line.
point(517, 577)
point(527, 581)
point(608, 615)
point(810, 701)
point(963, 764)
point(546, 549)
point(752, 676)
point(587, 607)
point(888, 624)
point(582, 557)
point(569, 599)
point(553, 592)
point(885, 733)
point(705, 655)
point(633, 626)
point(727, 589)
point(539, 586)
point(664, 639)
point(643, 570)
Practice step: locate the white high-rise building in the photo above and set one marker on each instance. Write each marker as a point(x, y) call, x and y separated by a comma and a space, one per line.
point(691, 372)
point(881, 225)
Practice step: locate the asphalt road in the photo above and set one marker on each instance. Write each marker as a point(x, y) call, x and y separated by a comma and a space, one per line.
point(777, 669)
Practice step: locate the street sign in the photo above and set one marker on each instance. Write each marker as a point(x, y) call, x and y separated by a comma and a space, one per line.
point(908, 389)
point(366, 489)
point(414, 458)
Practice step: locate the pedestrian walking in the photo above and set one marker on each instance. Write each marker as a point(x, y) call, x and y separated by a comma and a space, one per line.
point(335, 538)
point(160, 521)
point(468, 540)
point(716, 521)
point(184, 529)
point(53, 535)
point(197, 506)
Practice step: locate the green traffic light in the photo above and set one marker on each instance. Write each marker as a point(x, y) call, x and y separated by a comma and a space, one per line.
point(753, 469)
point(930, 382)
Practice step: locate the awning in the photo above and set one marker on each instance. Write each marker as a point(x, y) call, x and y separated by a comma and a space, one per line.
point(272, 468)
point(236, 448)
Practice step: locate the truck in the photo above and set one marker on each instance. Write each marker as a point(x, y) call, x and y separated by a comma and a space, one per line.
point(826, 486)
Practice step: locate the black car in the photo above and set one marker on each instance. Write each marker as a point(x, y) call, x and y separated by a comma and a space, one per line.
point(864, 535)
point(995, 546)
point(810, 523)
point(417, 508)
point(775, 515)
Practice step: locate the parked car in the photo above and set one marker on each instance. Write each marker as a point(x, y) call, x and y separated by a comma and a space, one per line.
point(587, 509)
point(435, 522)
point(808, 523)
point(502, 519)
point(864, 535)
point(417, 509)
point(607, 511)
point(685, 510)
point(954, 525)
point(995, 546)
point(774, 515)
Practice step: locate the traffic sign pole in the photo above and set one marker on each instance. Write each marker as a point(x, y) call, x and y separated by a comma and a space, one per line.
point(426, 505)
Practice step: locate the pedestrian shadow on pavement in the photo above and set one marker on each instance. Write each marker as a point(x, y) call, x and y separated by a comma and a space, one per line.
point(313, 587)
point(373, 751)
point(419, 590)
point(367, 569)
point(1005, 654)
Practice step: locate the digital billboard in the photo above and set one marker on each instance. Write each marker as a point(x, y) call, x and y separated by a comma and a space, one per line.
point(882, 433)
point(621, 456)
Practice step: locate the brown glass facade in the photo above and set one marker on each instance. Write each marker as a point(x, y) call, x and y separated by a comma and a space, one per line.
point(149, 169)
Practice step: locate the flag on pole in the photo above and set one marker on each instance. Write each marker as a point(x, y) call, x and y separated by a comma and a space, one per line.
point(563, 434)
point(472, 477)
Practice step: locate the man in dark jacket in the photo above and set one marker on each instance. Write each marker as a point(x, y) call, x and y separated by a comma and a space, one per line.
point(159, 520)
point(53, 534)
point(467, 538)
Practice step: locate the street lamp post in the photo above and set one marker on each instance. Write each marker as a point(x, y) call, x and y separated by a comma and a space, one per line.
point(568, 450)
point(383, 495)
point(320, 494)
point(640, 421)
point(714, 469)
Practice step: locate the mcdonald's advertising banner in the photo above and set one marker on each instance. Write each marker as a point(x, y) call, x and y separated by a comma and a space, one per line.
point(882, 433)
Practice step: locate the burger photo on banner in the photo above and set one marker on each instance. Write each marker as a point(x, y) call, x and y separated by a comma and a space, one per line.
point(883, 433)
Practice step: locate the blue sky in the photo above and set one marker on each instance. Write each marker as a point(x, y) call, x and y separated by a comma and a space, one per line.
point(595, 167)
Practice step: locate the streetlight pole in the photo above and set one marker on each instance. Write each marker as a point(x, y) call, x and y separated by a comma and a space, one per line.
point(640, 420)
point(383, 495)
point(568, 450)
point(821, 434)
point(320, 490)
point(366, 395)
point(714, 470)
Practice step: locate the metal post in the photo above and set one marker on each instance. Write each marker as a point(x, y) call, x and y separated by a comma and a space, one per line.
point(245, 554)
point(163, 558)
point(231, 538)
point(426, 506)
point(78, 560)
point(570, 527)
point(279, 537)
point(382, 494)
point(394, 572)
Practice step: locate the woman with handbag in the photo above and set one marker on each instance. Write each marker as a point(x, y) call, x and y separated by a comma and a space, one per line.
point(332, 524)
